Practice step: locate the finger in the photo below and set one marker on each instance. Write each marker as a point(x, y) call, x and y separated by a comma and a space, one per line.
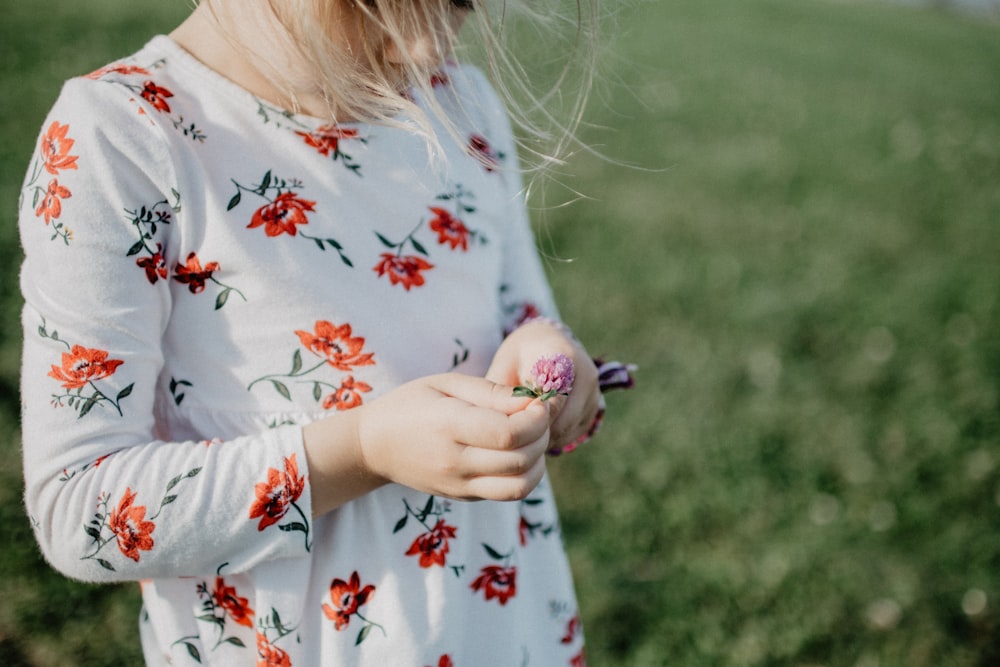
point(507, 488)
point(474, 426)
point(575, 419)
point(485, 462)
point(557, 404)
point(480, 391)
point(593, 412)
point(501, 372)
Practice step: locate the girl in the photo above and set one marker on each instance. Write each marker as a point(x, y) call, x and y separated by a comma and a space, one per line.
point(270, 346)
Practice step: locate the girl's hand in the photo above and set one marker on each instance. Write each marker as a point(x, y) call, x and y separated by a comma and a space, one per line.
point(570, 416)
point(449, 435)
point(457, 436)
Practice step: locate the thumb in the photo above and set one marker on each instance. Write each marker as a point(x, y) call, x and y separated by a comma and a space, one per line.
point(501, 372)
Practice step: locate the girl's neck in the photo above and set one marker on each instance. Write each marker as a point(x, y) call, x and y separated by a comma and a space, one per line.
point(234, 51)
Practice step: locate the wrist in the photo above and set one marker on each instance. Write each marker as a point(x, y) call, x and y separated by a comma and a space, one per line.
point(338, 469)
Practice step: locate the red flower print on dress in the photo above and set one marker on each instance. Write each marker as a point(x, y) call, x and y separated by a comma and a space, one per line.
point(277, 495)
point(127, 524)
point(118, 69)
point(407, 269)
point(55, 149)
point(403, 270)
point(224, 603)
point(520, 313)
point(347, 598)
point(573, 630)
point(336, 344)
point(270, 630)
point(432, 546)
point(67, 475)
point(282, 215)
point(440, 78)
point(147, 220)
point(238, 608)
point(194, 275)
point(219, 604)
point(156, 95)
point(347, 396)
point(53, 157)
point(326, 139)
point(132, 530)
point(450, 226)
point(445, 661)
point(51, 205)
point(153, 94)
point(527, 528)
point(83, 367)
point(450, 230)
point(480, 148)
point(269, 655)
point(154, 265)
point(285, 212)
point(578, 660)
point(524, 530)
point(497, 582)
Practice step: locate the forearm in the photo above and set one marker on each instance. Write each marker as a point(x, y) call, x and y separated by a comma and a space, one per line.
point(166, 509)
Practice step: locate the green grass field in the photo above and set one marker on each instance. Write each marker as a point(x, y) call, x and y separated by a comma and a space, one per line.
point(807, 273)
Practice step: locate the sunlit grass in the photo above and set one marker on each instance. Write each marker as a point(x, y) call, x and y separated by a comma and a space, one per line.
point(808, 471)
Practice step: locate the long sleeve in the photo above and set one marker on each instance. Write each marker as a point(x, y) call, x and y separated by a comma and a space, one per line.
point(526, 290)
point(107, 498)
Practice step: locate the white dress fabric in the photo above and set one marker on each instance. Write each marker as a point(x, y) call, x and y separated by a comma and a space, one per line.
point(206, 273)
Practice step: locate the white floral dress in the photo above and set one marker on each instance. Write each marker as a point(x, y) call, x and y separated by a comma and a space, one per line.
point(204, 274)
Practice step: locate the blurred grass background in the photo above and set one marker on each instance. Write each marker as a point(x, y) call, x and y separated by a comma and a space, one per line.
point(808, 473)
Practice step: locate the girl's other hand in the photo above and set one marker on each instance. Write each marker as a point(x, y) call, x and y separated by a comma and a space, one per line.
point(570, 416)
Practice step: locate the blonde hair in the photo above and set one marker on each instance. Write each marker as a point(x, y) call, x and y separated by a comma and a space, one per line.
point(546, 115)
